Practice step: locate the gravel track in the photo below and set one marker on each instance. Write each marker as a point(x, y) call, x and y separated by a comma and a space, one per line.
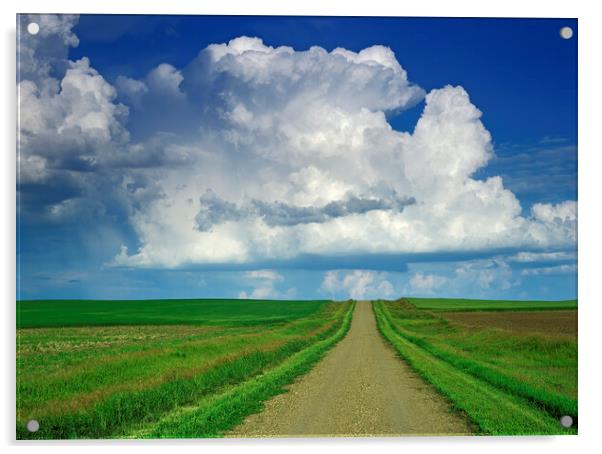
point(360, 388)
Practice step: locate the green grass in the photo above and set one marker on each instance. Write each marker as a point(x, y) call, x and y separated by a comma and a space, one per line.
point(507, 384)
point(459, 304)
point(221, 312)
point(108, 381)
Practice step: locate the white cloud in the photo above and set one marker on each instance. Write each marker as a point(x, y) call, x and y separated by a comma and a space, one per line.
point(426, 283)
point(558, 269)
point(471, 278)
point(269, 275)
point(258, 293)
point(68, 119)
point(375, 55)
point(131, 89)
point(357, 284)
point(78, 117)
point(264, 285)
point(485, 274)
point(165, 79)
point(561, 213)
point(33, 168)
point(528, 257)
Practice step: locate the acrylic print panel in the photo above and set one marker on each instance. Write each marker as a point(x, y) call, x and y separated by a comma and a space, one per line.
point(296, 226)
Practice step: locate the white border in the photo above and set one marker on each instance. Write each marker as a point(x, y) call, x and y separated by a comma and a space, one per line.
point(590, 77)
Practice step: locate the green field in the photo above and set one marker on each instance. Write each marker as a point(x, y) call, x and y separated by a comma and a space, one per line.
point(217, 312)
point(106, 369)
point(506, 382)
point(197, 368)
point(460, 304)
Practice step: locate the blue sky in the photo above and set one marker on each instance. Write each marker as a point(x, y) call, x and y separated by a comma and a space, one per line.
point(190, 156)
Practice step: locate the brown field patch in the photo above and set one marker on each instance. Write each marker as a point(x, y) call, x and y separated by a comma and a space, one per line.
point(545, 322)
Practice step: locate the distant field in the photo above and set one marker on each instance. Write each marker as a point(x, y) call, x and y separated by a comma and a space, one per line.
point(458, 304)
point(551, 323)
point(507, 380)
point(219, 312)
point(216, 362)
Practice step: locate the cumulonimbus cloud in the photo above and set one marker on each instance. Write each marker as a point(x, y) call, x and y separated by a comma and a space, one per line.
point(252, 152)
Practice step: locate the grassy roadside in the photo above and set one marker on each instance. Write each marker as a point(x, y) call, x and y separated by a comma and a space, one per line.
point(217, 414)
point(104, 382)
point(520, 364)
point(554, 403)
point(494, 410)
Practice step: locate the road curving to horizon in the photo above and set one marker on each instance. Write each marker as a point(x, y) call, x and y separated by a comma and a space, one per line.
point(360, 388)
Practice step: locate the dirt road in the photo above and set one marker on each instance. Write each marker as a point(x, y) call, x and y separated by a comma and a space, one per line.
point(359, 388)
